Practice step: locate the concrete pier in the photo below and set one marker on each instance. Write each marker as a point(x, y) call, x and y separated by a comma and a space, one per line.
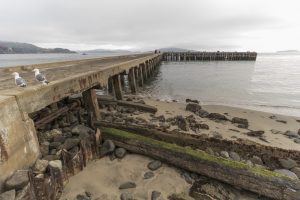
point(208, 56)
point(19, 146)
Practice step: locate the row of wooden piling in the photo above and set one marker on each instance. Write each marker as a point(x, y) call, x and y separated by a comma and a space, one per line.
point(208, 56)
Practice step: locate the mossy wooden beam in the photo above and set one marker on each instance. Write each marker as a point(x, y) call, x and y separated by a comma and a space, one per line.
point(255, 179)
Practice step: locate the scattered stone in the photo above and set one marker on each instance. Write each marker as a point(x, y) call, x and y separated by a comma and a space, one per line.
point(224, 154)
point(276, 131)
point(273, 117)
point(9, 195)
point(155, 195)
point(255, 133)
point(127, 196)
point(120, 153)
point(202, 126)
point(193, 107)
point(82, 197)
point(216, 135)
point(287, 163)
point(70, 143)
point(297, 140)
point(256, 160)
point(148, 175)
point(127, 185)
point(180, 196)
point(56, 164)
point(234, 156)
point(291, 134)
point(51, 157)
point(154, 165)
point(296, 170)
point(281, 121)
point(287, 173)
point(242, 126)
point(242, 121)
point(234, 130)
point(192, 101)
point(112, 157)
point(217, 116)
point(44, 148)
point(54, 145)
point(17, 181)
point(209, 151)
point(202, 113)
point(182, 123)
point(23, 194)
point(107, 147)
point(164, 125)
point(81, 129)
point(41, 165)
point(59, 138)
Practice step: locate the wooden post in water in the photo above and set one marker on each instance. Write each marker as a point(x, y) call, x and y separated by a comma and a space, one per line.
point(140, 75)
point(131, 79)
point(117, 87)
point(91, 102)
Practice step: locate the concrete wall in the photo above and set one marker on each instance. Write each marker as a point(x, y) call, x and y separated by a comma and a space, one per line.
point(19, 144)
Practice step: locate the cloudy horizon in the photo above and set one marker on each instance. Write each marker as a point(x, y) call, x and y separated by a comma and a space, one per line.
point(231, 25)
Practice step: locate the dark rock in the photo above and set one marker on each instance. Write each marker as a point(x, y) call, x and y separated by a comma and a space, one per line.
point(256, 160)
point(112, 157)
point(54, 145)
point(9, 195)
point(242, 121)
point(127, 185)
point(23, 194)
point(107, 147)
point(82, 130)
point(297, 140)
point(180, 196)
point(44, 148)
point(281, 121)
point(59, 138)
point(234, 156)
point(287, 163)
point(70, 143)
point(148, 175)
point(82, 197)
point(202, 126)
point(242, 126)
point(217, 116)
point(141, 102)
point(255, 133)
point(120, 152)
point(182, 123)
point(193, 107)
point(202, 113)
point(127, 196)
point(155, 195)
point(154, 165)
point(161, 118)
point(287, 173)
point(291, 134)
point(17, 181)
point(192, 101)
point(217, 135)
point(51, 157)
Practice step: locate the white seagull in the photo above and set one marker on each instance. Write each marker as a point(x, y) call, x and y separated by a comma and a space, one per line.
point(40, 77)
point(19, 80)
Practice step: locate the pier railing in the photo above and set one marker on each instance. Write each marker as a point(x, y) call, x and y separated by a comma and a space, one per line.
point(208, 56)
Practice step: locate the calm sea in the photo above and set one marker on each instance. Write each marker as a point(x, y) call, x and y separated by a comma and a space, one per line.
point(271, 83)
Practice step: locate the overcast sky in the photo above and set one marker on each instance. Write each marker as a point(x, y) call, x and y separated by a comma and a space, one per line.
point(260, 25)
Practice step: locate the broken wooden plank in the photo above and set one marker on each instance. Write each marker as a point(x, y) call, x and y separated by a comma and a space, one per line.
point(255, 179)
point(138, 106)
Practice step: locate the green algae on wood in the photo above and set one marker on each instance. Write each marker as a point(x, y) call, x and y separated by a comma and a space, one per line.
point(198, 154)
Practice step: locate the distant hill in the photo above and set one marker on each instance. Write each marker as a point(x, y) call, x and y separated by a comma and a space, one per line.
point(105, 51)
point(174, 49)
point(24, 48)
point(289, 51)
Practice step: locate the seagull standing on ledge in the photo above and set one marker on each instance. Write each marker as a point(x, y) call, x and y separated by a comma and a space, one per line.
point(40, 77)
point(19, 80)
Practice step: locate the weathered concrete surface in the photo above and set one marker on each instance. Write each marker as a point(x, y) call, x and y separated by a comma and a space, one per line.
point(20, 145)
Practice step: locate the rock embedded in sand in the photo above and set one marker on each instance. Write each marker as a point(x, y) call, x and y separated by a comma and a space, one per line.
point(70, 143)
point(120, 152)
point(202, 113)
point(23, 194)
point(287, 163)
point(256, 160)
point(297, 140)
point(127, 185)
point(18, 180)
point(255, 133)
point(291, 134)
point(217, 116)
point(240, 121)
point(224, 154)
point(155, 195)
point(154, 165)
point(107, 147)
point(287, 173)
point(148, 175)
point(8, 195)
point(127, 196)
point(182, 123)
point(192, 101)
point(180, 196)
point(82, 197)
point(234, 156)
point(193, 107)
point(216, 135)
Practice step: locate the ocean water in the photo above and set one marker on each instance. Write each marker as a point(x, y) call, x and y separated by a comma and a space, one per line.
point(271, 83)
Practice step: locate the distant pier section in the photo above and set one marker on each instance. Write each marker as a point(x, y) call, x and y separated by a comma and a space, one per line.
point(208, 56)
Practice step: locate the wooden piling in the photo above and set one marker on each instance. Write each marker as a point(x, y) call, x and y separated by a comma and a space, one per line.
point(117, 87)
point(91, 102)
point(132, 81)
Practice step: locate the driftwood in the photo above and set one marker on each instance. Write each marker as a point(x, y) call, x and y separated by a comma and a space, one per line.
point(255, 179)
point(244, 148)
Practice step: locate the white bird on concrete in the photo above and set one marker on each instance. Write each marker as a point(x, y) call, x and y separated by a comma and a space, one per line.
point(19, 80)
point(40, 77)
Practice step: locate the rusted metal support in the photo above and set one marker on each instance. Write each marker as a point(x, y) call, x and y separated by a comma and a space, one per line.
point(91, 102)
point(132, 82)
point(117, 87)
